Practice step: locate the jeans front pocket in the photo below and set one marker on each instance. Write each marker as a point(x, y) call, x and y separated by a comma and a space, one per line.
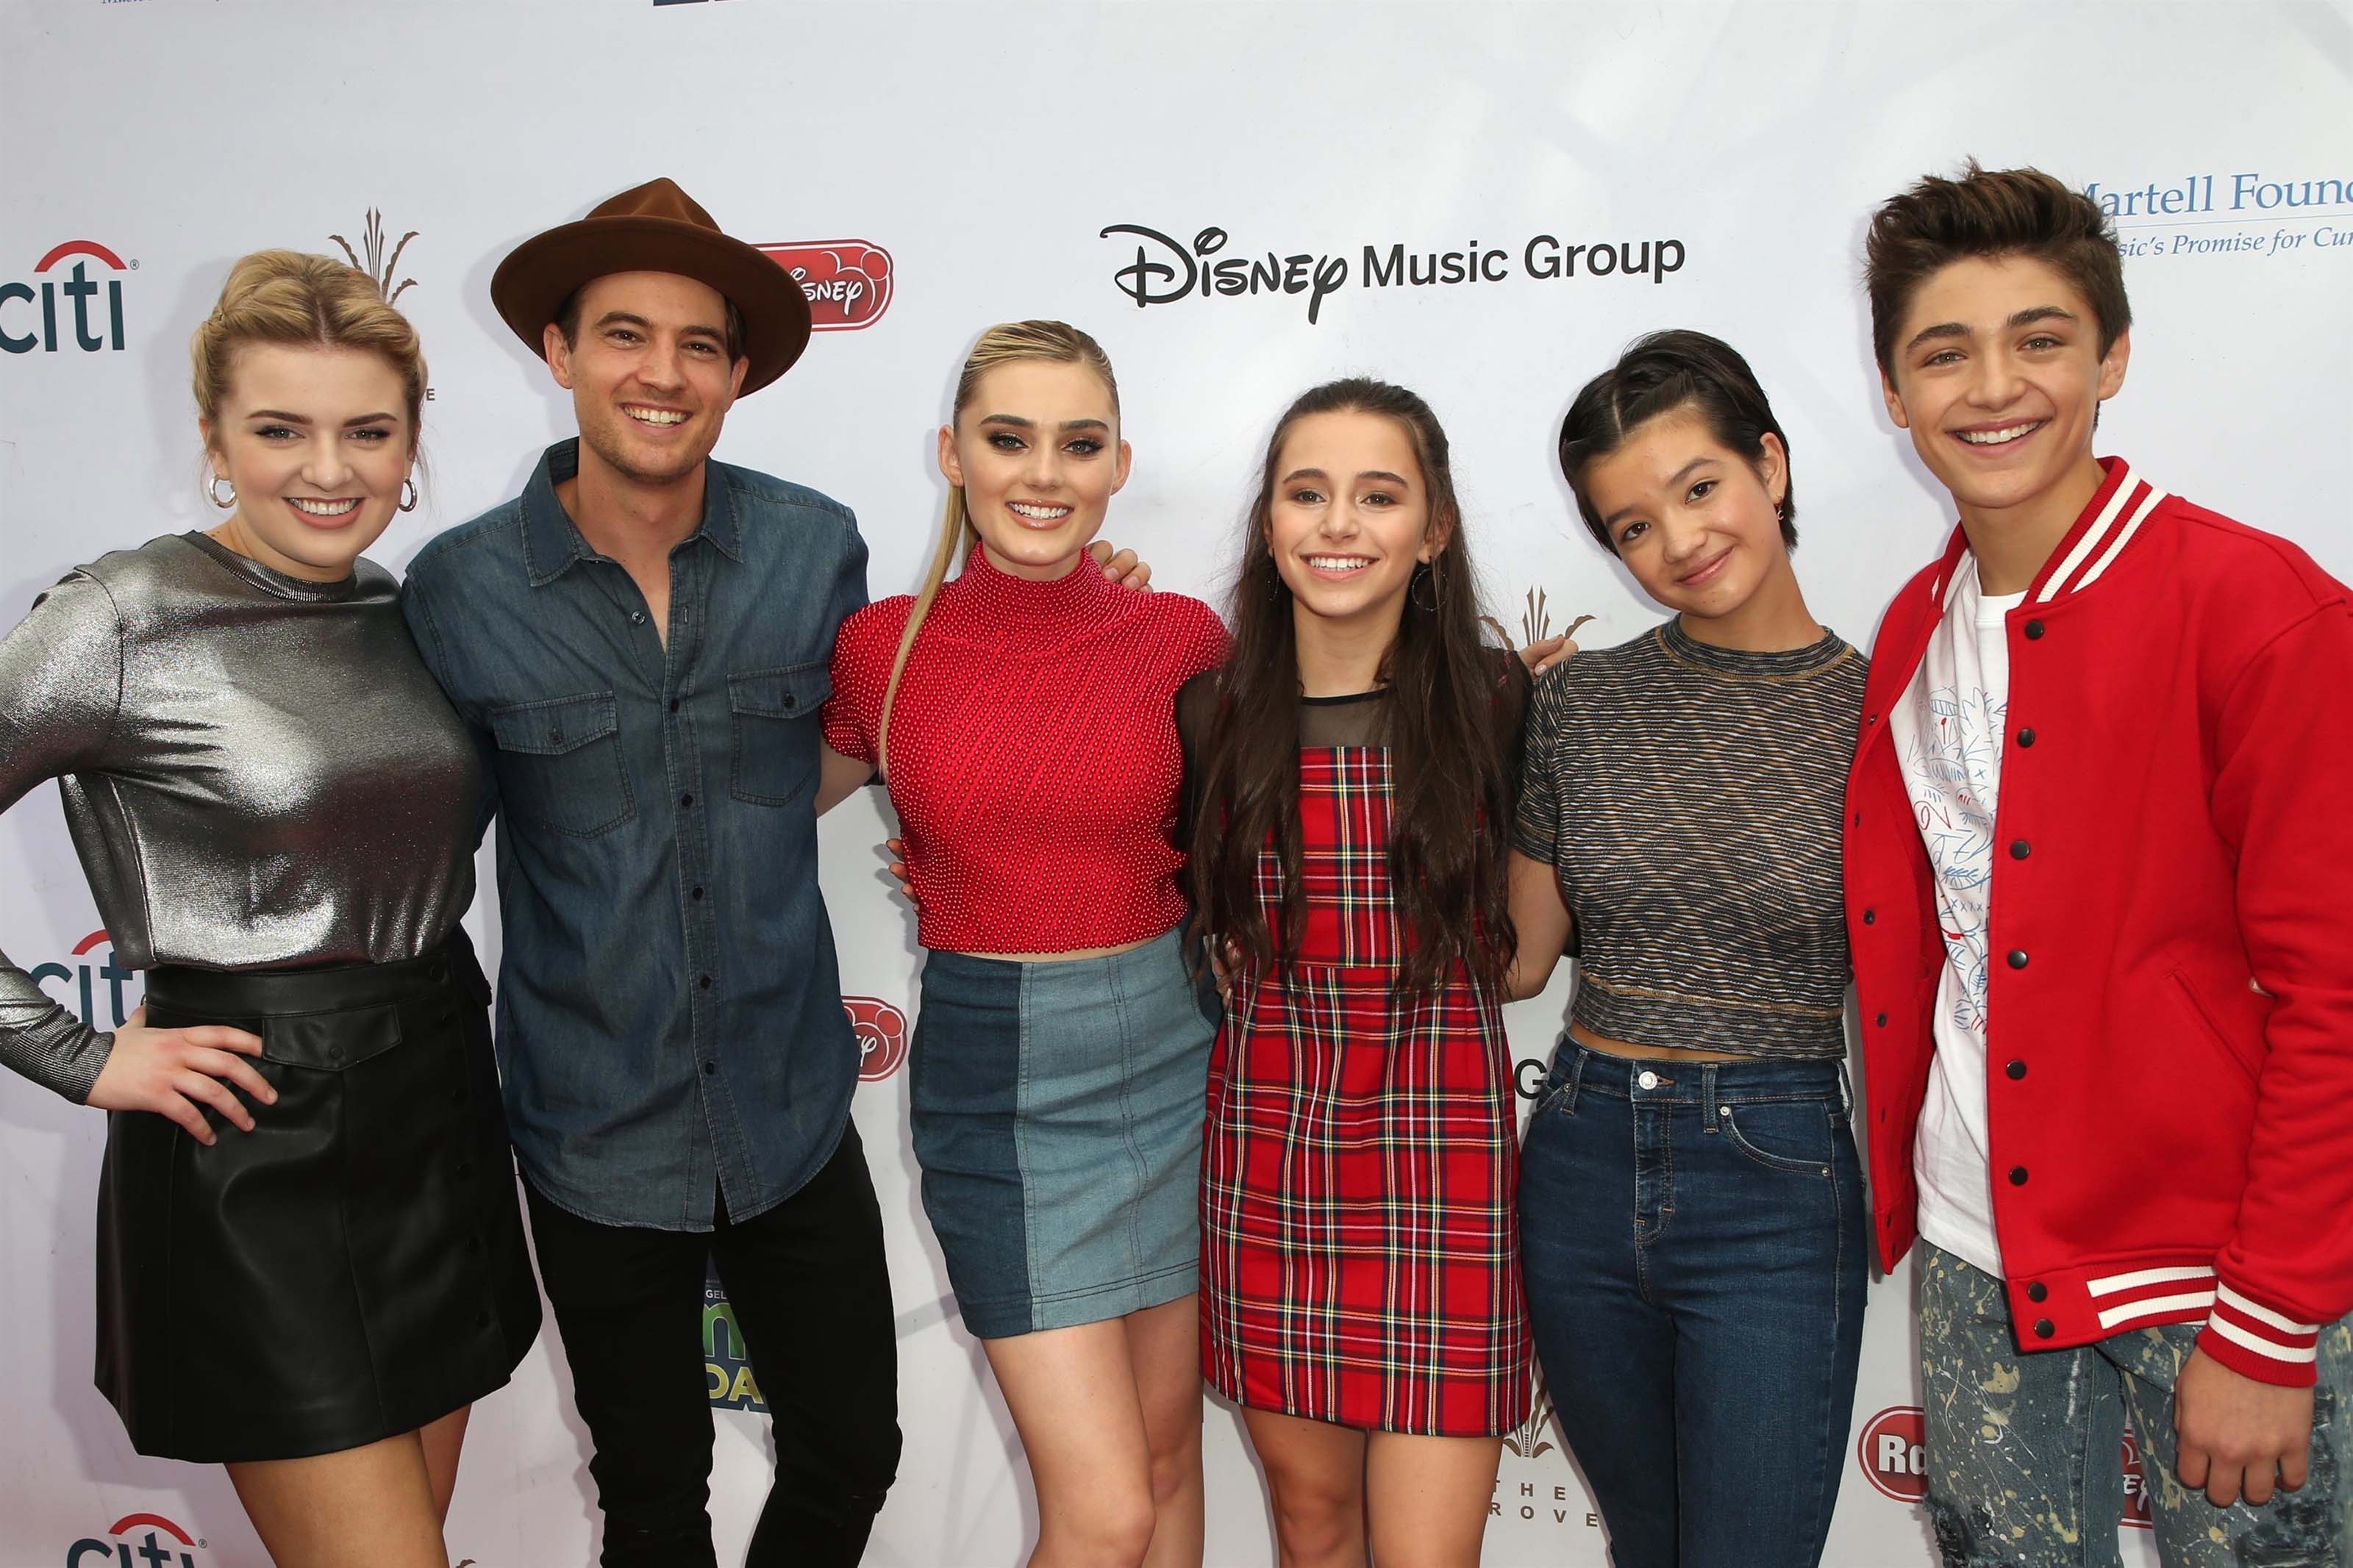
point(560, 764)
point(1792, 1136)
point(773, 730)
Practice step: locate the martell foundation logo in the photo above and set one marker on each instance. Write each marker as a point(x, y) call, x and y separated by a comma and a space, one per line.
point(848, 281)
point(1893, 1455)
point(881, 1031)
point(70, 301)
point(137, 1540)
point(376, 265)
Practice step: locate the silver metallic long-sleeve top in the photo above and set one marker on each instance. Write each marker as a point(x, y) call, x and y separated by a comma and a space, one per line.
point(258, 773)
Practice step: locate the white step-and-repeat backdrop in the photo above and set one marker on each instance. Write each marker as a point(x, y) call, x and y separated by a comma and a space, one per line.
point(1483, 202)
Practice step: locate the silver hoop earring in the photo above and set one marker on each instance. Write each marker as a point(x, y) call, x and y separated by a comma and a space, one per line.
point(409, 488)
point(211, 492)
point(1776, 512)
point(1424, 573)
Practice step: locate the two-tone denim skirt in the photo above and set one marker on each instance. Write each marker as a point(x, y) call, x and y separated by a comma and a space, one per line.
point(1057, 1113)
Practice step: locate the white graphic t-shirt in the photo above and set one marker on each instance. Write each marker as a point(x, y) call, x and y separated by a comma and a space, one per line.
point(1948, 737)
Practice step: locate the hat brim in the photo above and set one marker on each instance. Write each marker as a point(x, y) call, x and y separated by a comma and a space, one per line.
point(532, 283)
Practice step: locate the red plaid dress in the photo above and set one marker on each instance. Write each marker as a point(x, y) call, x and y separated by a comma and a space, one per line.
point(1359, 1243)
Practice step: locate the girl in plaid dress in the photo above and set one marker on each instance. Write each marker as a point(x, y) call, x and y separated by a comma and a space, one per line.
point(1348, 771)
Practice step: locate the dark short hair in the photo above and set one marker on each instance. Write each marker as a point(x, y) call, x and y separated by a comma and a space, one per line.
point(567, 321)
point(1668, 372)
point(1990, 212)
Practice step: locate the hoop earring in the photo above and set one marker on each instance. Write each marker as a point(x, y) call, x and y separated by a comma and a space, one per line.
point(409, 487)
point(1428, 573)
point(211, 492)
point(1776, 512)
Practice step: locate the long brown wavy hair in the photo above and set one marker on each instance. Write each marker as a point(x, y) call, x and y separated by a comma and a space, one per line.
point(1449, 826)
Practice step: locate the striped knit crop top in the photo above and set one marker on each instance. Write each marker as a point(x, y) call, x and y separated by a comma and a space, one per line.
point(1033, 753)
point(1691, 797)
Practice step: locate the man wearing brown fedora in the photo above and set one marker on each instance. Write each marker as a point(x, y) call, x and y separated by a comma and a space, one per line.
point(640, 643)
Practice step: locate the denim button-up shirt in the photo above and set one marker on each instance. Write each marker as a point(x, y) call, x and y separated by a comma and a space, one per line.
point(670, 1020)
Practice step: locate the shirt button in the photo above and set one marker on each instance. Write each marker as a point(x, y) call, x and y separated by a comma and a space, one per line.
point(2034, 631)
point(673, 704)
point(555, 735)
point(788, 699)
point(1647, 1080)
point(2019, 850)
point(697, 893)
point(1871, 917)
point(637, 617)
point(2016, 1070)
point(1881, 1020)
point(2017, 958)
point(709, 1069)
point(2026, 737)
point(2042, 1328)
point(704, 983)
point(686, 800)
point(2018, 1175)
point(2038, 1291)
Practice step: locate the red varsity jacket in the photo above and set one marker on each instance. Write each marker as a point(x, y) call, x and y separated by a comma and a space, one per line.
point(2169, 1046)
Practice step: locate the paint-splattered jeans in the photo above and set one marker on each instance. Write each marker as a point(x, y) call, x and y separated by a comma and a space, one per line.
point(2023, 1448)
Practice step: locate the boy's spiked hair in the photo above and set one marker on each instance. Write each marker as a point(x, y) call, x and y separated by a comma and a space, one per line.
point(1990, 212)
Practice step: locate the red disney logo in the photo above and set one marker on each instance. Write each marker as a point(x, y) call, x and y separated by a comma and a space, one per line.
point(1891, 1456)
point(848, 281)
point(881, 1031)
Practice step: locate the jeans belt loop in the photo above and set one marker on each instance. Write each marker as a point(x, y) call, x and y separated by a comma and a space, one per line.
point(1846, 1091)
point(1707, 1100)
point(1576, 1073)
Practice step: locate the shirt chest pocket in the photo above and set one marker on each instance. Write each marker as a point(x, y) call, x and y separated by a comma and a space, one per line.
point(773, 730)
point(560, 764)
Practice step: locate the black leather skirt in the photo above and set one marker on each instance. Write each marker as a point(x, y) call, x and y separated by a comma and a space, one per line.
point(351, 1268)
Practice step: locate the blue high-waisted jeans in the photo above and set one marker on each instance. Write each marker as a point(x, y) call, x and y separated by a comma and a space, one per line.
point(1692, 1235)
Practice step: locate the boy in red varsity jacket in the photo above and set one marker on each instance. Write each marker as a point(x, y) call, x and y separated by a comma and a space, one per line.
point(2097, 848)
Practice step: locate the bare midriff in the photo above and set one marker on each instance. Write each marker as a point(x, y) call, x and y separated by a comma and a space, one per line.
point(1609, 1047)
point(1072, 956)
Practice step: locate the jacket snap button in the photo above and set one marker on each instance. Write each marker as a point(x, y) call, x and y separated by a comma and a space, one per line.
point(2034, 631)
point(2026, 737)
point(2038, 1291)
point(2018, 1175)
point(1871, 917)
point(2019, 850)
point(2016, 1069)
point(788, 699)
point(2017, 958)
point(1881, 1020)
point(2042, 1328)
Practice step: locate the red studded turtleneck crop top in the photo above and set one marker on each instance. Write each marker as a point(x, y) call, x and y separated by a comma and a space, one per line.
point(1034, 762)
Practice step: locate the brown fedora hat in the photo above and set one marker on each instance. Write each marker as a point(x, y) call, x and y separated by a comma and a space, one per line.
point(656, 228)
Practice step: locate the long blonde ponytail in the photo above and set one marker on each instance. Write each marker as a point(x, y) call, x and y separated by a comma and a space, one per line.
point(1005, 343)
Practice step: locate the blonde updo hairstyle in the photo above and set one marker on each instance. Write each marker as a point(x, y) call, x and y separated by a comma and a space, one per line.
point(1008, 343)
point(302, 301)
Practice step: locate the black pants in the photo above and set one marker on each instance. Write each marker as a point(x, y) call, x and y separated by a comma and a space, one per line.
point(807, 1282)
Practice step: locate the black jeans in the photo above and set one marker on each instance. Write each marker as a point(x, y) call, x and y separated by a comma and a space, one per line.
point(810, 1292)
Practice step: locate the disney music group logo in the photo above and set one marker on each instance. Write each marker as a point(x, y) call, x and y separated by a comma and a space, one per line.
point(1166, 270)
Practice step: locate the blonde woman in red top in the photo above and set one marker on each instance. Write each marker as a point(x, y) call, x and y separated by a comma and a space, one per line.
point(1022, 716)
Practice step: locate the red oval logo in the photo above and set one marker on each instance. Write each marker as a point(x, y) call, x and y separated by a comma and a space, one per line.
point(881, 1031)
point(848, 281)
point(1893, 1456)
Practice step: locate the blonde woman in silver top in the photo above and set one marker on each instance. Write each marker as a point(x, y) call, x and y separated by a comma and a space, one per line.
point(310, 1255)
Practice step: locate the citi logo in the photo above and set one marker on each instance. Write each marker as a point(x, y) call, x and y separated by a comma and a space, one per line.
point(141, 1540)
point(88, 975)
point(91, 329)
point(1894, 1454)
point(881, 1031)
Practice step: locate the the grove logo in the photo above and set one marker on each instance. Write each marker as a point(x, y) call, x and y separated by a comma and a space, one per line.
point(1893, 1453)
point(137, 1540)
point(377, 265)
point(88, 972)
point(72, 296)
point(848, 281)
point(881, 1031)
point(1527, 1439)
